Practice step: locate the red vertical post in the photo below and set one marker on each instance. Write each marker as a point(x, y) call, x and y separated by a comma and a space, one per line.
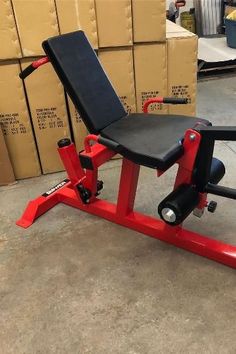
point(90, 182)
point(127, 188)
point(191, 144)
point(71, 163)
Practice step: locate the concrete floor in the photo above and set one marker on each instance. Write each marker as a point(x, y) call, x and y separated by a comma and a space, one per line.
point(74, 283)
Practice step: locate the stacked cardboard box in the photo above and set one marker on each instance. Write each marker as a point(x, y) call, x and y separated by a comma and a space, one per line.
point(182, 68)
point(127, 35)
point(14, 116)
point(115, 39)
point(36, 114)
point(10, 45)
point(167, 68)
point(150, 65)
point(6, 170)
point(37, 20)
point(118, 64)
point(16, 124)
point(141, 53)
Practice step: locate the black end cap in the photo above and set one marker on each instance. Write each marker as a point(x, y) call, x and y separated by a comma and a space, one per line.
point(64, 142)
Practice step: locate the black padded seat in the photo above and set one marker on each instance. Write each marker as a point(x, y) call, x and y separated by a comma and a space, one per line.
point(149, 139)
point(84, 79)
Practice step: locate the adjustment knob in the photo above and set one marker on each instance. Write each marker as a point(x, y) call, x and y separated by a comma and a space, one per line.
point(85, 193)
point(212, 206)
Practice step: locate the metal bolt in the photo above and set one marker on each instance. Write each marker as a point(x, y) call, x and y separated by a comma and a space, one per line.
point(192, 137)
point(168, 215)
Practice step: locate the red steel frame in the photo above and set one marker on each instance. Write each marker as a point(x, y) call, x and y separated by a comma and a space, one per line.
point(123, 212)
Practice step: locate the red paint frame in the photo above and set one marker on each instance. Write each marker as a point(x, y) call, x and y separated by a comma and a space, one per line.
point(122, 213)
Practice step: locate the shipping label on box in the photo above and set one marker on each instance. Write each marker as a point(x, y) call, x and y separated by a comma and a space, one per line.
point(182, 69)
point(150, 75)
point(36, 21)
point(49, 115)
point(118, 65)
point(74, 15)
point(15, 122)
point(149, 20)
point(78, 127)
point(10, 45)
point(114, 22)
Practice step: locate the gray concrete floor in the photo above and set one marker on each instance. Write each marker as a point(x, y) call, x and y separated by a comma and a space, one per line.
point(74, 283)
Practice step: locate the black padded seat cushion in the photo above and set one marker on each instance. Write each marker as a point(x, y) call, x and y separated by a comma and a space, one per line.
point(84, 79)
point(149, 139)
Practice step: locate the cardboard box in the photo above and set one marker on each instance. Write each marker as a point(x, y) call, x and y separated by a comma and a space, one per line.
point(78, 127)
point(36, 21)
point(172, 27)
point(49, 115)
point(114, 22)
point(182, 47)
point(10, 45)
point(149, 20)
point(150, 65)
point(6, 170)
point(229, 10)
point(78, 14)
point(16, 125)
point(118, 64)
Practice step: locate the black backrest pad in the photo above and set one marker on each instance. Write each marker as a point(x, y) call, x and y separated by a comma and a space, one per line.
point(84, 79)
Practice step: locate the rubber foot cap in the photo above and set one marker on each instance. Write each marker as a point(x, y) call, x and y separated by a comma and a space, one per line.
point(64, 142)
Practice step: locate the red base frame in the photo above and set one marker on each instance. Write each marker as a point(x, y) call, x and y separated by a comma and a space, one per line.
point(122, 213)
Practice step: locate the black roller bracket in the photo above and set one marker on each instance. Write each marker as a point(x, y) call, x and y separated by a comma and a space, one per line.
point(85, 193)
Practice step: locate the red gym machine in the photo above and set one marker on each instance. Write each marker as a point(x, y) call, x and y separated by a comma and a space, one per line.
point(143, 139)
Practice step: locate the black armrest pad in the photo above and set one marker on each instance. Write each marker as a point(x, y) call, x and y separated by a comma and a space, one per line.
point(218, 132)
point(109, 143)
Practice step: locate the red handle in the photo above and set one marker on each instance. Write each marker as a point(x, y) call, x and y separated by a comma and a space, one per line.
point(37, 63)
point(33, 66)
point(88, 138)
point(150, 101)
point(167, 100)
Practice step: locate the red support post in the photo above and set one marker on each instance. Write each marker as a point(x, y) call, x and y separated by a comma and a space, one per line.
point(71, 163)
point(99, 154)
point(90, 182)
point(127, 188)
point(186, 163)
